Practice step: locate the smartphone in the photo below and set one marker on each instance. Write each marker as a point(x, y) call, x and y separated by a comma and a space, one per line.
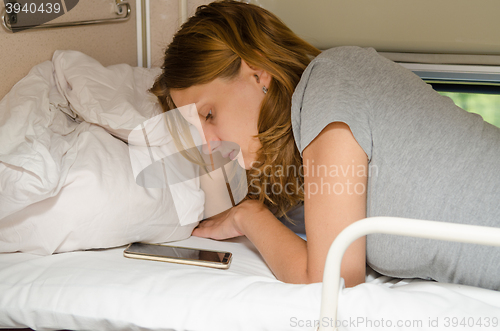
point(175, 254)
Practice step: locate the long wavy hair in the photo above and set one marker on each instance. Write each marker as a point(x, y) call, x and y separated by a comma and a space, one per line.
point(210, 45)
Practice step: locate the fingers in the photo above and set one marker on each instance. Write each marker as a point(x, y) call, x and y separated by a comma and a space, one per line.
point(197, 232)
point(200, 230)
point(208, 229)
point(207, 232)
point(217, 229)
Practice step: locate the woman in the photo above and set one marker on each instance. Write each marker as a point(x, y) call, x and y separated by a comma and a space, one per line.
point(368, 136)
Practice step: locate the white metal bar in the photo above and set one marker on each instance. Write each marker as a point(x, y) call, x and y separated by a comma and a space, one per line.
point(390, 225)
point(489, 75)
point(459, 68)
point(148, 34)
point(138, 20)
point(183, 11)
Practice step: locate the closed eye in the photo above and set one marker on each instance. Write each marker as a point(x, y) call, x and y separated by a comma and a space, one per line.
point(209, 115)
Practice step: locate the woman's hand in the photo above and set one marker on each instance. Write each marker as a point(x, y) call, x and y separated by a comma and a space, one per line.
point(225, 225)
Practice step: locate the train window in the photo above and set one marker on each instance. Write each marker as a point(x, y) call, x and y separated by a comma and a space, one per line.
point(473, 88)
point(486, 105)
point(482, 99)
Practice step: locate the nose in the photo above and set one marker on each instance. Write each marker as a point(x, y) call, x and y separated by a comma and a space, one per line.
point(212, 140)
point(212, 144)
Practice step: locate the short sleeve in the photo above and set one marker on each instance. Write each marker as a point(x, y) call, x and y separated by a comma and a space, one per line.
point(328, 92)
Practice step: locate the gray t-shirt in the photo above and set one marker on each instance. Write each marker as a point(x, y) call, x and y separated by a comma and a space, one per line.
point(428, 159)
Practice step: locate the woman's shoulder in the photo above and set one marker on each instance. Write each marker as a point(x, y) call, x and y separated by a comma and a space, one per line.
point(361, 66)
point(352, 63)
point(328, 92)
point(346, 64)
point(348, 53)
point(332, 65)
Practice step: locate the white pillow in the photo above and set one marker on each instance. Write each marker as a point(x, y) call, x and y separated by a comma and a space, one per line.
point(114, 97)
point(100, 205)
point(67, 185)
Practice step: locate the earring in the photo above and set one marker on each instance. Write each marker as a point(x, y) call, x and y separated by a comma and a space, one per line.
point(257, 77)
point(264, 89)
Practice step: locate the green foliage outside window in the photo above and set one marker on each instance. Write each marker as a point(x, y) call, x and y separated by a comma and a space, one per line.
point(486, 105)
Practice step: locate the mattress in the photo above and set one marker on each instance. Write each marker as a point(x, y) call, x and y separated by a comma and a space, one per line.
point(102, 290)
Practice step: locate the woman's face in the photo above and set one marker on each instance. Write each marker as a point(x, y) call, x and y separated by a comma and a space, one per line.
point(229, 111)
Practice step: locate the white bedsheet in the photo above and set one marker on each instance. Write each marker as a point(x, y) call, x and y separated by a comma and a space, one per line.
point(102, 290)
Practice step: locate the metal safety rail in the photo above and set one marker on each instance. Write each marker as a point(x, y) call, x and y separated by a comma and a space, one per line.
point(472, 234)
point(121, 8)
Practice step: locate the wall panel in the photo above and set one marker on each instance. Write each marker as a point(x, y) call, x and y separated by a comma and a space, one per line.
point(108, 43)
point(421, 26)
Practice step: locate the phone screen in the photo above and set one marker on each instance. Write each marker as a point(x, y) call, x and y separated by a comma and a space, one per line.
point(177, 252)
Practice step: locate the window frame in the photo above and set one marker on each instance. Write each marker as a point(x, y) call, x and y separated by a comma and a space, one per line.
point(458, 78)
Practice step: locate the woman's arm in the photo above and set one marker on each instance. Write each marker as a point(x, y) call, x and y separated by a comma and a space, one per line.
point(327, 213)
point(334, 198)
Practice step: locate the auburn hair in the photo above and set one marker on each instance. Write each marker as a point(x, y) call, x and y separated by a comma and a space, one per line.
point(211, 45)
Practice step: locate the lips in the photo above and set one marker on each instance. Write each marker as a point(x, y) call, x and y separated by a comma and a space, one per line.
point(232, 155)
point(229, 154)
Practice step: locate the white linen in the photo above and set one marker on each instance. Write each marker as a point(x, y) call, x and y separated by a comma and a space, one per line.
point(102, 290)
point(114, 97)
point(157, 163)
point(36, 140)
point(68, 184)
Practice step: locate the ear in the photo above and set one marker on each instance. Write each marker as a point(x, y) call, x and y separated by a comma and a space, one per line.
point(250, 71)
